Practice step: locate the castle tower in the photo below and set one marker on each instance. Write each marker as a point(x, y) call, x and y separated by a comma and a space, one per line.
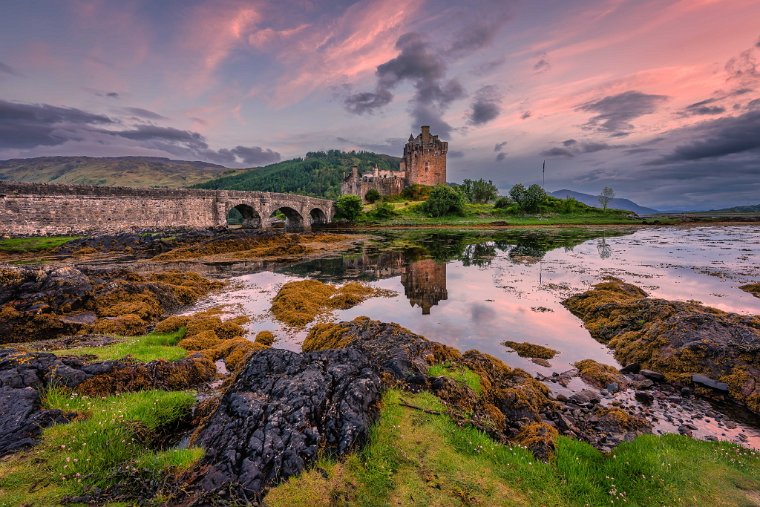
point(424, 283)
point(425, 159)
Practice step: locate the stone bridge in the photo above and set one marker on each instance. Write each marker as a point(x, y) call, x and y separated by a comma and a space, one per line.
point(41, 209)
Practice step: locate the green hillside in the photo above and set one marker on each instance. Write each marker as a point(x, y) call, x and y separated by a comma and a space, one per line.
point(114, 171)
point(318, 173)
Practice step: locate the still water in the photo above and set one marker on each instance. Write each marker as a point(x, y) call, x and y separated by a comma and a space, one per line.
point(474, 290)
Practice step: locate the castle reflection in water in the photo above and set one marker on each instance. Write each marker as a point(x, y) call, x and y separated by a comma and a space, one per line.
point(424, 280)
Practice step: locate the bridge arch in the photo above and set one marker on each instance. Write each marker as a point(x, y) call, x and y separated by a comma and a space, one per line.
point(243, 216)
point(317, 216)
point(294, 221)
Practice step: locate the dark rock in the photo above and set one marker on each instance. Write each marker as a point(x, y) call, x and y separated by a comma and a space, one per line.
point(585, 397)
point(613, 387)
point(708, 382)
point(631, 368)
point(281, 411)
point(24, 375)
point(644, 397)
point(652, 375)
point(22, 418)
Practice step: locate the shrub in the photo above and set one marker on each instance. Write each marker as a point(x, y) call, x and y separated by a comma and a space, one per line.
point(528, 199)
point(502, 202)
point(480, 191)
point(372, 196)
point(383, 211)
point(348, 207)
point(417, 192)
point(444, 200)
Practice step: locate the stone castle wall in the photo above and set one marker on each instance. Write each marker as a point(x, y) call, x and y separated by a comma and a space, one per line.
point(42, 209)
point(362, 184)
point(425, 159)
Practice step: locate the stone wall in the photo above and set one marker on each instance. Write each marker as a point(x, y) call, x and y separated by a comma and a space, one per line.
point(41, 209)
point(360, 185)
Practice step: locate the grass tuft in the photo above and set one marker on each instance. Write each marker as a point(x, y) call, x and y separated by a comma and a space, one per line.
point(461, 374)
point(145, 348)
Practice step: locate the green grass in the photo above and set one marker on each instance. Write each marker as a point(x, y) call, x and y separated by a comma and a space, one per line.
point(409, 213)
point(33, 244)
point(416, 458)
point(149, 347)
point(462, 375)
point(113, 433)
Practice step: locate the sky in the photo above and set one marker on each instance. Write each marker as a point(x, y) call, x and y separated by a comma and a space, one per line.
point(658, 99)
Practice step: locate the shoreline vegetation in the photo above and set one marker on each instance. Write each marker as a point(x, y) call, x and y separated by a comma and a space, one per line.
point(465, 428)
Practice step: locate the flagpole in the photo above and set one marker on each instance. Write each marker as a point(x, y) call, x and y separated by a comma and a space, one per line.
point(543, 175)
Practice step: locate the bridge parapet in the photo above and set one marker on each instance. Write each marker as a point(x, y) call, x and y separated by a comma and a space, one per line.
point(37, 208)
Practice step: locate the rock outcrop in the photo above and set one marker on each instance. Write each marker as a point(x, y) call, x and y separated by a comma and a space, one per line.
point(281, 411)
point(682, 340)
point(23, 377)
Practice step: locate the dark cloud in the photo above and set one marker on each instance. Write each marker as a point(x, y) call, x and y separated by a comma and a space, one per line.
point(456, 154)
point(25, 126)
point(525, 115)
point(30, 125)
point(113, 95)
point(367, 102)
point(426, 68)
point(482, 31)
point(499, 149)
point(742, 67)
point(571, 148)
point(753, 104)
point(542, 65)
point(615, 112)
point(254, 155)
point(757, 44)
point(7, 69)
point(486, 106)
point(143, 113)
point(717, 138)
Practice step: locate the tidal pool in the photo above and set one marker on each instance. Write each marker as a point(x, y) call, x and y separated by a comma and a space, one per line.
point(474, 290)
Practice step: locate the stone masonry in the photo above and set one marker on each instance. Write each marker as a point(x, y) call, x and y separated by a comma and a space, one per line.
point(424, 163)
point(44, 209)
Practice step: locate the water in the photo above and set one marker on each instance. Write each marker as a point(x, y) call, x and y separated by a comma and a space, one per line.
point(474, 290)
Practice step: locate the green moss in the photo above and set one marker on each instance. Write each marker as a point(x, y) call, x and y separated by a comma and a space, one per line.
point(300, 302)
point(417, 458)
point(597, 374)
point(33, 244)
point(752, 288)
point(461, 374)
point(525, 349)
point(141, 348)
point(110, 433)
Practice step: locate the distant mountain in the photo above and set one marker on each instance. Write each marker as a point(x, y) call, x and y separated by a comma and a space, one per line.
point(593, 200)
point(318, 173)
point(116, 171)
point(754, 208)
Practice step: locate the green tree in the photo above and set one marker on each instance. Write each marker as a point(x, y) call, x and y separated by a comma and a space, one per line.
point(416, 192)
point(348, 207)
point(605, 197)
point(480, 191)
point(444, 200)
point(383, 211)
point(528, 199)
point(502, 202)
point(372, 196)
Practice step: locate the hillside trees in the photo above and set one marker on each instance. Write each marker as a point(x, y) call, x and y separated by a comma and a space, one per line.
point(479, 191)
point(444, 200)
point(528, 199)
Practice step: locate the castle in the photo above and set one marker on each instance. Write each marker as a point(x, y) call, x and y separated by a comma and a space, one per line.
point(424, 163)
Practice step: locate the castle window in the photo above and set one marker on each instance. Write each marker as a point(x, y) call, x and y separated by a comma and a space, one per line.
point(427, 166)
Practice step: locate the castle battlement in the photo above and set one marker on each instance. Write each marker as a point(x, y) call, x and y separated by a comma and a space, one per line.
point(424, 163)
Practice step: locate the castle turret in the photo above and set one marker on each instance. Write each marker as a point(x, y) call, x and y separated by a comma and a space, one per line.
point(425, 159)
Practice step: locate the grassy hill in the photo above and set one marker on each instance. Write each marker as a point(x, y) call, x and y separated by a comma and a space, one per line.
point(318, 173)
point(117, 171)
point(754, 208)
